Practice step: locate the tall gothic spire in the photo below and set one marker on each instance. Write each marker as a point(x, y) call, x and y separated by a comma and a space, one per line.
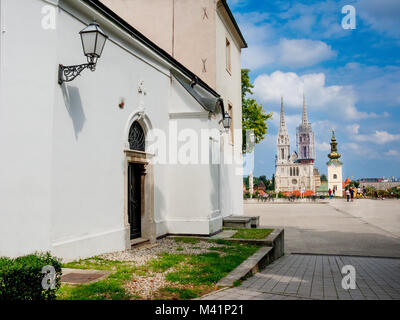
point(283, 122)
point(304, 118)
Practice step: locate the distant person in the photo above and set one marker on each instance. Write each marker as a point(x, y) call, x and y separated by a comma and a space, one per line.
point(364, 192)
point(352, 194)
point(334, 192)
point(347, 195)
point(358, 192)
point(330, 193)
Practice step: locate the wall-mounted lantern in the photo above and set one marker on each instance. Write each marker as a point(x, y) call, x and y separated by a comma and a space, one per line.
point(252, 137)
point(93, 40)
point(226, 120)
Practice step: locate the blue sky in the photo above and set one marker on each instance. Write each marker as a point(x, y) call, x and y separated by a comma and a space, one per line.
point(351, 78)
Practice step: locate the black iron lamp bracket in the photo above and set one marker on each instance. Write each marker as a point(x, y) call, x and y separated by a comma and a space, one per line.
point(69, 73)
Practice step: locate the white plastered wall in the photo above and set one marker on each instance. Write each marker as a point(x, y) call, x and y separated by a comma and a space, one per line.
point(62, 163)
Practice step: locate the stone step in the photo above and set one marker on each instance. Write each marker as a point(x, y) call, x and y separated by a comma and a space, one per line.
point(241, 222)
point(138, 242)
point(237, 222)
point(257, 262)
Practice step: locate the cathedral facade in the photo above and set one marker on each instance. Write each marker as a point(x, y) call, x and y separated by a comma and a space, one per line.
point(295, 171)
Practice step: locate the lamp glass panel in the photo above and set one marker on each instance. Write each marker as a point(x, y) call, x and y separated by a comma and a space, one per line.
point(101, 40)
point(227, 122)
point(88, 42)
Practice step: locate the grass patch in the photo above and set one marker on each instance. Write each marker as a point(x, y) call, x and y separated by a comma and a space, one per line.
point(244, 233)
point(189, 275)
point(237, 283)
point(209, 268)
point(110, 288)
point(96, 263)
point(166, 261)
point(173, 293)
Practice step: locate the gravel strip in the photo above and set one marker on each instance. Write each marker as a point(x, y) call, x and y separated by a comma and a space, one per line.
point(143, 254)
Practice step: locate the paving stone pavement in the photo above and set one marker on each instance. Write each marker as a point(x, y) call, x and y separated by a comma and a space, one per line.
point(303, 276)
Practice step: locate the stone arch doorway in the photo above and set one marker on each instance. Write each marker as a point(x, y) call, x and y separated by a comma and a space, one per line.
point(139, 206)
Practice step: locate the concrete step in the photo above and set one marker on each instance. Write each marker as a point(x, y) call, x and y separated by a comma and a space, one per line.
point(241, 222)
point(237, 222)
point(249, 267)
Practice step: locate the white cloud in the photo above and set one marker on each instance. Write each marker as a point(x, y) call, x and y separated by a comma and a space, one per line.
point(353, 128)
point(324, 146)
point(303, 52)
point(375, 85)
point(382, 15)
point(257, 57)
point(335, 99)
point(379, 137)
point(393, 152)
point(295, 53)
point(316, 20)
point(360, 150)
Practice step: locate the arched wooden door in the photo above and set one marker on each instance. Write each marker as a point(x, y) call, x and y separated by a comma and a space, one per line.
point(135, 185)
point(135, 172)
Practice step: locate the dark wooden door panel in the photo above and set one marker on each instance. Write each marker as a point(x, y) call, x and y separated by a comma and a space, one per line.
point(135, 199)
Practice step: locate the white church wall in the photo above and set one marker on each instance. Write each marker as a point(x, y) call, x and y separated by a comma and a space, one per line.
point(194, 198)
point(90, 134)
point(28, 79)
point(229, 86)
point(62, 146)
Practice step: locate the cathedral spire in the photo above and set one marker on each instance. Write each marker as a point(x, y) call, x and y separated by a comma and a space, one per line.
point(304, 118)
point(283, 122)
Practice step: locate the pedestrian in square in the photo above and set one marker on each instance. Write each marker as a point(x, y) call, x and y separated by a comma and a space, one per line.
point(352, 194)
point(347, 194)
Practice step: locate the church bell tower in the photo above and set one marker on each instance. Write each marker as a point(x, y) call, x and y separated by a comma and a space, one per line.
point(335, 168)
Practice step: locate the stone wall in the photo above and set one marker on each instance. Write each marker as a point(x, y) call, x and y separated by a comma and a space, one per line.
point(380, 185)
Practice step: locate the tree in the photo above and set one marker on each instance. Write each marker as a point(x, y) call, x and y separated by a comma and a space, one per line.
point(273, 182)
point(267, 182)
point(263, 179)
point(354, 184)
point(254, 116)
point(324, 178)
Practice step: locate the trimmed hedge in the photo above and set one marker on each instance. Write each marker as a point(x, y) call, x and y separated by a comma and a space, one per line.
point(21, 278)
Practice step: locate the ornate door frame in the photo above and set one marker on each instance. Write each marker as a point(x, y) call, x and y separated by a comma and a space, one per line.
point(147, 195)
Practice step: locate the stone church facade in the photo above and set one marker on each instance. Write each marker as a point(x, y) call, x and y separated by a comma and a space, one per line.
point(295, 171)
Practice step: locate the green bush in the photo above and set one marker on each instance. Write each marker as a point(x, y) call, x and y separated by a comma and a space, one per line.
point(21, 278)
